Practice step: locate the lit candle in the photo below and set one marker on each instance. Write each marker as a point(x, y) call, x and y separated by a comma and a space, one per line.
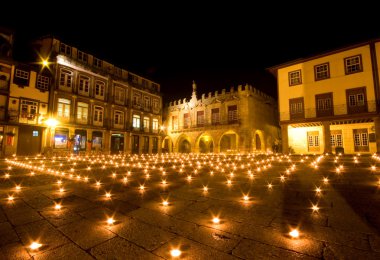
point(294, 233)
point(216, 220)
point(35, 245)
point(175, 252)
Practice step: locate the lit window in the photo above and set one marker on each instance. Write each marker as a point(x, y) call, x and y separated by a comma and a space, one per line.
point(155, 124)
point(63, 108)
point(82, 111)
point(136, 121)
point(146, 124)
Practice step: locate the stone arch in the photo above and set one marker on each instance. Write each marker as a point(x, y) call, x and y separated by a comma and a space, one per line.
point(259, 141)
point(229, 142)
point(183, 144)
point(167, 145)
point(204, 143)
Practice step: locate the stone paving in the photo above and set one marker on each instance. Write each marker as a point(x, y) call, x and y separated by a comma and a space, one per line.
point(114, 207)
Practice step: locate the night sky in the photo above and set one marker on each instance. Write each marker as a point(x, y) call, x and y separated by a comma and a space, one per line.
point(217, 46)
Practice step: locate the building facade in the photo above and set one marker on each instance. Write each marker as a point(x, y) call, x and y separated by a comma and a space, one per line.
point(99, 107)
point(330, 102)
point(238, 121)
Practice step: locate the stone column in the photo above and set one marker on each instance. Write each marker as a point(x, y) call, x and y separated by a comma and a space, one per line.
point(284, 139)
point(327, 137)
point(377, 133)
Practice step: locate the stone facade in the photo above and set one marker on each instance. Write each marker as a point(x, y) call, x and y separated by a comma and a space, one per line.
point(241, 120)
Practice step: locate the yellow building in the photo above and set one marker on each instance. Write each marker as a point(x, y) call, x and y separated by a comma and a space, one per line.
point(100, 107)
point(330, 102)
point(24, 106)
point(241, 120)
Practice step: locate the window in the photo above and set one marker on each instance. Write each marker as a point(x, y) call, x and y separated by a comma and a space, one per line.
point(99, 89)
point(324, 104)
point(296, 108)
point(336, 138)
point(361, 140)
point(295, 77)
point(146, 103)
point(84, 85)
point(63, 109)
point(322, 71)
point(98, 63)
point(98, 115)
point(136, 98)
point(22, 74)
point(200, 118)
point(146, 124)
point(313, 141)
point(155, 87)
point(117, 71)
point(28, 109)
point(232, 114)
point(21, 77)
point(155, 125)
point(215, 116)
point(82, 56)
point(174, 122)
point(356, 100)
point(136, 121)
point(119, 95)
point(43, 82)
point(144, 83)
point(35, 133)
point(66, 78)
point(119, 118)
point(186, 120)
point(82, 112)
point(65, 49)
point(133, 78)
point(353, 64)
point(156, 104)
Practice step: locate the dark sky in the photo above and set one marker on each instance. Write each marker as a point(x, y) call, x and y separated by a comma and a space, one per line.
point(218, 46)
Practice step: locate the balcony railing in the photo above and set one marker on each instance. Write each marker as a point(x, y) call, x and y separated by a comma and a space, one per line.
point(336, 111)
point(207, 125)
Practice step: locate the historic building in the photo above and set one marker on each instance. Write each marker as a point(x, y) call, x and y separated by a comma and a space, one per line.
point(241, 120)
point(330, 102)
point(98, 106)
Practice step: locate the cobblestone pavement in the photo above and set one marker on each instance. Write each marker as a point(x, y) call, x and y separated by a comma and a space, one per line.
point(218, 207)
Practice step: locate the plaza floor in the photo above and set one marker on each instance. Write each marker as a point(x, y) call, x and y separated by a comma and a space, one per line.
point(190, 206)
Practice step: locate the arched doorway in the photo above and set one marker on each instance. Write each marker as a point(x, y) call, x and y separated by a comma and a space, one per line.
point(184, 146)
point(258, 142)
point(228, 142)
point(167, 145)
point(205, 144)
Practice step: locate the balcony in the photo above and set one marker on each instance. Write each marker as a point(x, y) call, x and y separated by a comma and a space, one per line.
point(338, 111)
point(207, 125)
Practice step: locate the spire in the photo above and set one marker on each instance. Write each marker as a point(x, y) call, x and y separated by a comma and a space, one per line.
point(194, 88)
